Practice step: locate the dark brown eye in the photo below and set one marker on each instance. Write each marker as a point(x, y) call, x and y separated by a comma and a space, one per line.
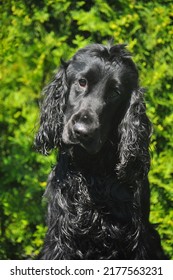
point(113, 93)
point(82, 82)
point(116, 91)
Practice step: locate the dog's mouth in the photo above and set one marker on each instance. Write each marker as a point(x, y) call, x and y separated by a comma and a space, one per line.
point(91, 142)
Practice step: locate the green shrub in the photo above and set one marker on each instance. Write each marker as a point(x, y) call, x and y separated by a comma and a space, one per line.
point(35, 35)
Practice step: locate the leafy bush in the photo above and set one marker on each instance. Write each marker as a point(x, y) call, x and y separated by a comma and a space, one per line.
point(35, 35)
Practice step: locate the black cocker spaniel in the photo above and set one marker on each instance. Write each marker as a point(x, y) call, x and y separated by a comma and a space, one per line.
point(98, 193)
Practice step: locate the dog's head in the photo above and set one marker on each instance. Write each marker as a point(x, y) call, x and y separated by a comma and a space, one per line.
point(100, 82)
point(92, 94)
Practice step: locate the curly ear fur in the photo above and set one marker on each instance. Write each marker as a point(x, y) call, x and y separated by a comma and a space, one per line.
point(134, 133)
point(52, 108)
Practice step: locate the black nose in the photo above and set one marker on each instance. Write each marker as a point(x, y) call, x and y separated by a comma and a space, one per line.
point(83, 123)
point(81, 131)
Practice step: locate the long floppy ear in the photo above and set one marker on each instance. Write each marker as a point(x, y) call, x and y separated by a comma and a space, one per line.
point(51, 118)
point(134, 134)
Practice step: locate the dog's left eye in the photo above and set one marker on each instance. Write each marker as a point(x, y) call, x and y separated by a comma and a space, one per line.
point(82, 82)
point(114, 92)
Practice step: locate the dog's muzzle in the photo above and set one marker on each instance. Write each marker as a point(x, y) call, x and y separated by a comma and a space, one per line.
point(83, 129)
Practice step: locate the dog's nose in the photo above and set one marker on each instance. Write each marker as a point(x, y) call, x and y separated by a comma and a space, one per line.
point(81, 131)
point(83, 123)
point(83, 117)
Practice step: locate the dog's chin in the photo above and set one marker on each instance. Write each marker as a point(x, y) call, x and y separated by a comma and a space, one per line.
point(91, 147)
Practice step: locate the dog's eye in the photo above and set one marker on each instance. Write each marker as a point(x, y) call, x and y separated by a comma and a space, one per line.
point(114, 92)
point(82, 82)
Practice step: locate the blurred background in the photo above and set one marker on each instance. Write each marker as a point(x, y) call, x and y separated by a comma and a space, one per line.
point(34, 36)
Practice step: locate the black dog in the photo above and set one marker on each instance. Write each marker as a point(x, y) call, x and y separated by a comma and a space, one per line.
point(98, 193)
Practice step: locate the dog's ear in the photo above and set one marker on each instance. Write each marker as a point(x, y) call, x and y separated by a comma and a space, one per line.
point(52, 108)
point(134, 136)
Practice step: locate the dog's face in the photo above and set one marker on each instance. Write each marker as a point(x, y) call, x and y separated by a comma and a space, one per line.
point(95, 102)
point(99, 91)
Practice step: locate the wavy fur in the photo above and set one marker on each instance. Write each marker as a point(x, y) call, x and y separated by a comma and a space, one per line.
point(98, 198)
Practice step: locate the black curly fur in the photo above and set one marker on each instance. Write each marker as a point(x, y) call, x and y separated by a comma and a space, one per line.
point(98, 193)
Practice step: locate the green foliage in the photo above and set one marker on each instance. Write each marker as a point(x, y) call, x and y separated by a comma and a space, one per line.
point(35, 35)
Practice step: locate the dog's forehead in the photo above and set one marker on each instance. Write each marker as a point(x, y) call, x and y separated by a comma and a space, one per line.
point(93, 66)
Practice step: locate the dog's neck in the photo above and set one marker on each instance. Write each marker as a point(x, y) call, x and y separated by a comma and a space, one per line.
point(102, 164)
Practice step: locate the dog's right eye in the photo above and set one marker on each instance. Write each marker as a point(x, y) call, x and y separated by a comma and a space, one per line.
point(82, 82)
